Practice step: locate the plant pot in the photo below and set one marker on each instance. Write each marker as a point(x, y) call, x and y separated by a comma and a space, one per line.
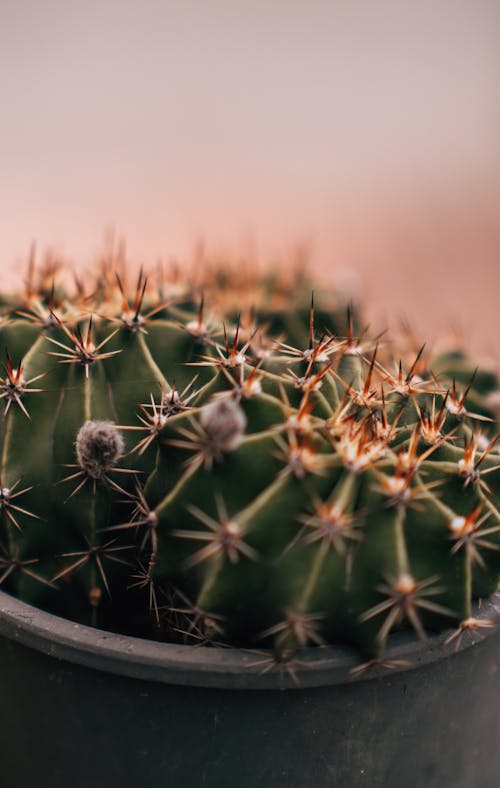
point(83, 707)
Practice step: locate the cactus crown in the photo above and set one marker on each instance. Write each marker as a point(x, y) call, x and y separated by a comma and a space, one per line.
point(244, 467)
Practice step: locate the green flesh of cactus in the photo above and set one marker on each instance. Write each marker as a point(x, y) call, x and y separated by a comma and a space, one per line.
point(310, 494)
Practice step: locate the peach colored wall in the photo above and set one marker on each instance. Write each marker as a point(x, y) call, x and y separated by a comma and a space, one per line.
point(368, 130)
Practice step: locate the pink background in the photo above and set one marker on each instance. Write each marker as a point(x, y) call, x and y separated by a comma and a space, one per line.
point(366, 131)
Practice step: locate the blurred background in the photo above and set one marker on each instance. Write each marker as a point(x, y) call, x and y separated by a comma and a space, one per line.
point(365, 133)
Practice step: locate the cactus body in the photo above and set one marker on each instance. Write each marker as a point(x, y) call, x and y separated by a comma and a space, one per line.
point(267, 477)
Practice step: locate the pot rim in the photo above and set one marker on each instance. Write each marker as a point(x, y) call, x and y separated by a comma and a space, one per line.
point(223, 668)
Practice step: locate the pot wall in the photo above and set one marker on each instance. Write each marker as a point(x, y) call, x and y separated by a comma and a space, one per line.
point(62, 724)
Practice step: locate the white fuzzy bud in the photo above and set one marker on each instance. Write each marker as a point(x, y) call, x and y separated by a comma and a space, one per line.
point(99, 445)
point(223, 422)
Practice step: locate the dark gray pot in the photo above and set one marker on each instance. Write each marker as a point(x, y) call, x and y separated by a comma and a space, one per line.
point(84, 708)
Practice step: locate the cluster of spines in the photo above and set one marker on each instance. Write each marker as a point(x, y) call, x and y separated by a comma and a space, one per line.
point(363, 444)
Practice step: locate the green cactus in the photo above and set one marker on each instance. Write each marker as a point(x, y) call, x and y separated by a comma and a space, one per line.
point(244, 468)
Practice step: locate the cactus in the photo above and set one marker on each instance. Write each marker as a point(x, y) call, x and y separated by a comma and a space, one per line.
point(245, 467)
